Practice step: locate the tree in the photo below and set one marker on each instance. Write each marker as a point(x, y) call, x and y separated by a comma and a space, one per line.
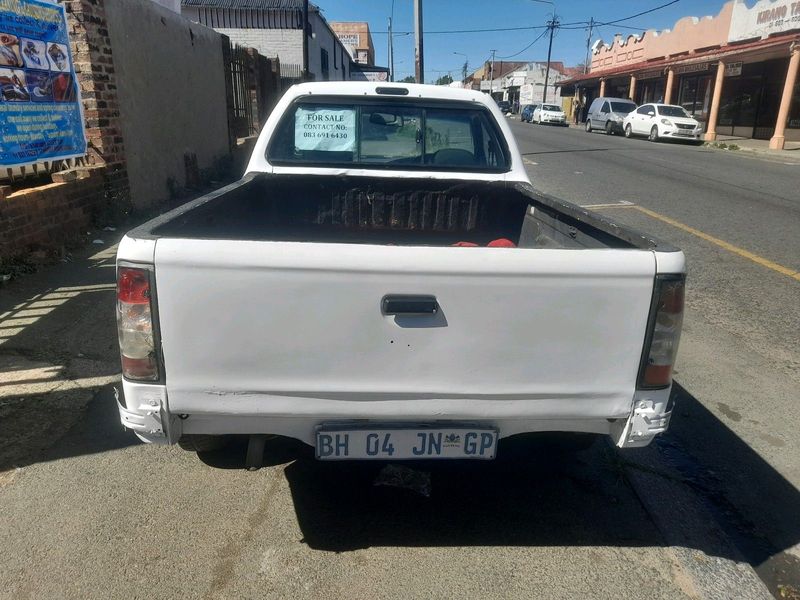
point(444, 79)
point(408, 79)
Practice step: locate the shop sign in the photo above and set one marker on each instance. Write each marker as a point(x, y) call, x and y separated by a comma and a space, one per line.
point(41, 116)
point(733, 69)
point(764, 19)
point(696, 68)
point(350, 39)
point(650, 75)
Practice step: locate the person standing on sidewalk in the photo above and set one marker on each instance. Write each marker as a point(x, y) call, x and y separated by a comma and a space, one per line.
point(577, 106)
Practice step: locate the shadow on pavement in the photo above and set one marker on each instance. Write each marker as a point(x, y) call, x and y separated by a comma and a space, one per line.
point(534, 494)
point(568, 151)
point(58, 363)
point(755, 505)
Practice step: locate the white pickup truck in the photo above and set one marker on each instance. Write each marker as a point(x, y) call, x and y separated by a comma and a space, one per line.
point(386, 283)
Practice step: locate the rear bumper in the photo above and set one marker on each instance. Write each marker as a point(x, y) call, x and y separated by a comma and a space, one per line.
point(636, 422)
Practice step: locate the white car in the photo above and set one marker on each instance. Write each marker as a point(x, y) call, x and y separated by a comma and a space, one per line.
point(658, 121)
point(549, 113)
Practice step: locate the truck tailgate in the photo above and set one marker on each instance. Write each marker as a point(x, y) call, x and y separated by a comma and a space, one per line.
point(287, 328)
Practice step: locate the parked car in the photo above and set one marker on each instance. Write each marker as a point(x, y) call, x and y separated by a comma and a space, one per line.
point(505, 106)
point(608, 114)
point(658, 121)
point(335, 293)
point(526, 116)
point(549, 113)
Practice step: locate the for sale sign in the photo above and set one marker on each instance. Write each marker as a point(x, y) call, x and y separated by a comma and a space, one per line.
point(40, 110)
point(325, 129)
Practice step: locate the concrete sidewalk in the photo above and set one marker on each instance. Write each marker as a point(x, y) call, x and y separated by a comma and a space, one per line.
point(791, 153)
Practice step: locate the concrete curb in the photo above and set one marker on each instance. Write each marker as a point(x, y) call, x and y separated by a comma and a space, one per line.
point(706, 562)
point(781, 156)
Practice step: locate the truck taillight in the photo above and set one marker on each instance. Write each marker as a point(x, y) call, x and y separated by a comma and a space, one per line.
point(664, 332)
point(135, 324)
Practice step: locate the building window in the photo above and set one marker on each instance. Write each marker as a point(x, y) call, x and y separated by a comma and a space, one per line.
point(695, 96)
point(324, 64)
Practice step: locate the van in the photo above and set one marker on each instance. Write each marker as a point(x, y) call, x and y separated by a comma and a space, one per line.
point(608, 114)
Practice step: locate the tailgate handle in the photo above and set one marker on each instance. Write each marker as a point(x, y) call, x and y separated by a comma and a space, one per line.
point(399, 304)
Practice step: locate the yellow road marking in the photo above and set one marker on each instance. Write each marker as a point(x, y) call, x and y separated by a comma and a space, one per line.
point(760, 260)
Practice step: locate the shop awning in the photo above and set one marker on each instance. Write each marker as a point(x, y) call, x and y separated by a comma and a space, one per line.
point(713, 54)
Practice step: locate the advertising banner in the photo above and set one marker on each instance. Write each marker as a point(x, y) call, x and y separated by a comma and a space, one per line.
point(41, 116)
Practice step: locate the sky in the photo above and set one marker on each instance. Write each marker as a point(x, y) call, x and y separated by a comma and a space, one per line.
point(569, 44)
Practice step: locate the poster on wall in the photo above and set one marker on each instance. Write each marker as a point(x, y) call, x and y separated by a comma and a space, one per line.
point(41, 117)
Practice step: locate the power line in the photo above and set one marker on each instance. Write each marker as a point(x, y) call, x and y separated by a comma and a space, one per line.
point(541, 35)
point(644, 12)
point(466, 30)
point(572, 25)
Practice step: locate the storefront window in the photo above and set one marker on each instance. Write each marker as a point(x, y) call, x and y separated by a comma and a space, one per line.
point(750, 102)
point(651, 91)
point(695, 96)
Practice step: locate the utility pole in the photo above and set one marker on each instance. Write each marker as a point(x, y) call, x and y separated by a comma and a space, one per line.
point(391, 52)
point(391, 45)
point(491, 74)
point(305, 41)
point(419, 61)
point(552, 26)
point(588, 46)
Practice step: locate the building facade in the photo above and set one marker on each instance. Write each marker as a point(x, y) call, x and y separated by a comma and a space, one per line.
point(520, 83)
point(275, 29)
point(735, 72)
point(533, 87)
point(357, 40)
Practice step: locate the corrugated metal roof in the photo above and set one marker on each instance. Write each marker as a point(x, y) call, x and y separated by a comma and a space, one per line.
point(248, 4)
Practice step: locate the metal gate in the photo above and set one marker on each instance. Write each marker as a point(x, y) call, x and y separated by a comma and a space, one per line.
point(240, 100)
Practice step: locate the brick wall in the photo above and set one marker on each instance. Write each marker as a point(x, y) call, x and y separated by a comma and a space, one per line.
point(58, 213)
point(94, 67)
point(52, 215)
point(286, 44)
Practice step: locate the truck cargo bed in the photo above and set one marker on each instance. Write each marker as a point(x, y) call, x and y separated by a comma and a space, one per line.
point(403, 212)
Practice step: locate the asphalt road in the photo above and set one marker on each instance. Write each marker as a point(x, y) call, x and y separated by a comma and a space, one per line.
point(737, 218)
point(88, 512)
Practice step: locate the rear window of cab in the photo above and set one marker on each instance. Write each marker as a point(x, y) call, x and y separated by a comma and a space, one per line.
point(389, 134)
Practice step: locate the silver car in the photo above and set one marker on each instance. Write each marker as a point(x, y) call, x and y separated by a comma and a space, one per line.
point(608, 114)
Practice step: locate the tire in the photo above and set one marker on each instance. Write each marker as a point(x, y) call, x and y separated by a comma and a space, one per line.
point(653, 137)
point(588, 126)
point(628, 131)
point(202, 443)
point(609, 128)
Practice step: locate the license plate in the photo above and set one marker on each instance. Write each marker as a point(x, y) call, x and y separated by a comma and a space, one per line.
point(334, 443)
point(686, 133)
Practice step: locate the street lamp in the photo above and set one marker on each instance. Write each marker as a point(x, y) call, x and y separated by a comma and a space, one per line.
point(465, 68)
